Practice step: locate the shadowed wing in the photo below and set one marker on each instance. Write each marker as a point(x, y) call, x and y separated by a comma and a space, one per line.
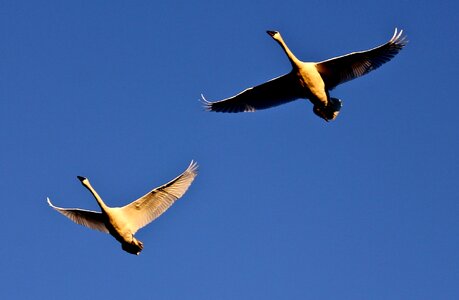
point(340, 69)
point(88, 218)
point(275, 92)
point(147, 208)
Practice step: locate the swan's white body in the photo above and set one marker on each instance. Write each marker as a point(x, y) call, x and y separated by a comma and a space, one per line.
point(123, 222)
point(310, 80)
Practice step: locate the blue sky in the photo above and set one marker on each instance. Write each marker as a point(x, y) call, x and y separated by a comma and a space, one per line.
point(285, 205)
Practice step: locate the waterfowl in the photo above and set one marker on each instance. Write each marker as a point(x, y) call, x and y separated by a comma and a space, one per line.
point(310, 80)
point(123, 222)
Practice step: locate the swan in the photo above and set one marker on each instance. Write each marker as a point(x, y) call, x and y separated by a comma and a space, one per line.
point(123, 222)
point(310, 80)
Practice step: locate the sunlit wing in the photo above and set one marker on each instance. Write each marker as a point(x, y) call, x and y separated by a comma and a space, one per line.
point(340, 69)
point(88, 218)
point(147, 208)
point(275, 92)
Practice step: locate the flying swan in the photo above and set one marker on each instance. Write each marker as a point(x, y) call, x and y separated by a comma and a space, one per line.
point(123, 222)
point(310, 80)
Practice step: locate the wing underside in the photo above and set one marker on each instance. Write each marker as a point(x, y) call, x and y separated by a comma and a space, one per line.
point(149, 207)
point(272, 93)
point(88, 218)
point(340, 69)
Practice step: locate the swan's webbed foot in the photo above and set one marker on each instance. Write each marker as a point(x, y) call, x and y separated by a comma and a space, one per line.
point(134, 247)
point(329, 112)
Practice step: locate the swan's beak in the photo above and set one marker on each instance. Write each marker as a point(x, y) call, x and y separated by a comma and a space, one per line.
point(271, 33)
point(81, 178)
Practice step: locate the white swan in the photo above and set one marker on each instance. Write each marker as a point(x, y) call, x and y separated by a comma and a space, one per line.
point(123, 222)
point(310, 80)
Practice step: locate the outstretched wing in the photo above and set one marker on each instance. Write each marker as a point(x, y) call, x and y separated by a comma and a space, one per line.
point(275, 92)
point(340, 69)
point(147, 208)
point(88, 218)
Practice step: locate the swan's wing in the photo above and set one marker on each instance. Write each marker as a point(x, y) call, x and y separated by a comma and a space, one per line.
point(147, 208)
point(275, 92)
point(340, 69)
point(88, 218)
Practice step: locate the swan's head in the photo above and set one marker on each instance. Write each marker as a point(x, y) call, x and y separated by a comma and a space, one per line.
point(274, 34)
point(329, 112)
point(82, 179)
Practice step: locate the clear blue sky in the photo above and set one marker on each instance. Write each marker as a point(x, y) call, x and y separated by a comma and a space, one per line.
point(285, 205)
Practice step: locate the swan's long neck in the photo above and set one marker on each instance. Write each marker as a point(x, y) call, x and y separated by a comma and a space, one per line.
point(293, 60)
point(96, 196)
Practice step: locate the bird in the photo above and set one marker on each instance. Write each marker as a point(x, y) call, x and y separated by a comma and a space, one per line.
point(123, 222)
point(310, 80)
